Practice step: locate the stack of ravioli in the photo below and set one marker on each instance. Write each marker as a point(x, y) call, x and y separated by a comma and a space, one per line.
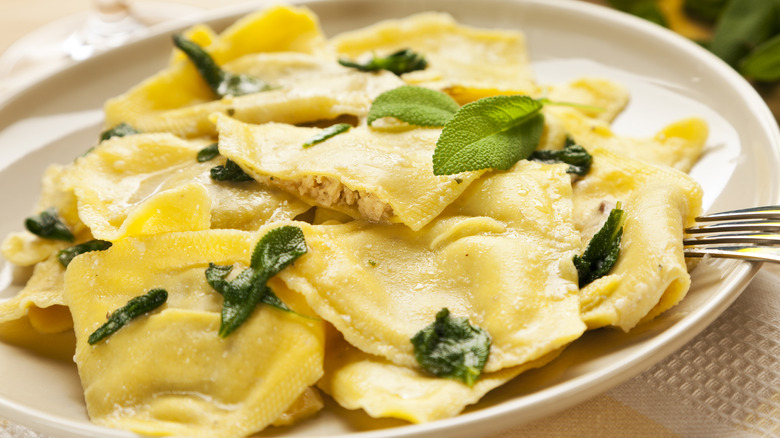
point(389, 243)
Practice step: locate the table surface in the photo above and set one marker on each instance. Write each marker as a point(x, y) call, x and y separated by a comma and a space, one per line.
point(651, 404)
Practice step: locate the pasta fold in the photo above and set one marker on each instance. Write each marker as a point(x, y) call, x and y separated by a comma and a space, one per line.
point(650, 275)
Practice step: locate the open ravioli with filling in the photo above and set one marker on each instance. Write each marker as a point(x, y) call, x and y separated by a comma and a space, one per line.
point(382, 176)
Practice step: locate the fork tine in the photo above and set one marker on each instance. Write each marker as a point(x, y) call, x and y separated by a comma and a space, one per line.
point(764, 212)
point(740, 225)
point(734, 238)
point(753, 253)
point(748, 234)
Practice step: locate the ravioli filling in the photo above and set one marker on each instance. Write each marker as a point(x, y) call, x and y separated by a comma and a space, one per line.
point(329, 192)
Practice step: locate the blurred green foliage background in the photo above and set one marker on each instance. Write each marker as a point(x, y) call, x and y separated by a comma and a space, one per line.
point(743, 33)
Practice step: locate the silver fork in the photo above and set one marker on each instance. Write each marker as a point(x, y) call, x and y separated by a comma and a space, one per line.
point(747, 234)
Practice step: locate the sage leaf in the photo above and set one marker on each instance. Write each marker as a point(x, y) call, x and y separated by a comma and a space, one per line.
point(133, 309)
point(417, 106)
point(230, 171)
point(578, 159)
point(240, 300)
point(48, 225)
point(494, 132)
point(452, 348)
point(66, 255)
point(120, 130)
point(763, 64)
point(276, 250)
point(327, 133)
point(215, 277)
point(602, 251)
point(208, 153)
point(221, 82)
point(400, 62)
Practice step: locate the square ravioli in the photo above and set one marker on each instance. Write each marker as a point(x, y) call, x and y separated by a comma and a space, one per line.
point(168, 372)
point(500, 255)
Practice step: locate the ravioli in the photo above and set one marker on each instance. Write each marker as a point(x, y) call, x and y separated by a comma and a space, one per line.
point(650, 275)
point(169, 372)
point(357, 380)
point(597, 98)
point(26, 249)
point(145, 174)
point(678, 145)
point(177, 99)
point(466, 62)
point(305, 88)
point(382, 176)
point(500, 255)
point(37, 318)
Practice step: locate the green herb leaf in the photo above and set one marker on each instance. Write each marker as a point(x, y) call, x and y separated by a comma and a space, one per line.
point(66, 255)
point(452, 348)
point(400, 62)
point(221, 82)
point(742, 26)
point(578, 159)
point(278, 249)
point(230, 171)
point(275, 251)
point(133, 309)
point(215, 276)
point(494, 132)
point(48, 225)
point(119, 130)
point(208, 153)
point(417, 106)
point(763, 64)
point(327, 133)
point(602, 251)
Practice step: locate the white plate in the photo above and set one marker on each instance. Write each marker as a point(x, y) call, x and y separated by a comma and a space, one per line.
point(668, 76)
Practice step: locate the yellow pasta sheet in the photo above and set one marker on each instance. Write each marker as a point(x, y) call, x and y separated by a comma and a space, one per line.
point(466, 62)
point(384, 176)
point(24, 248)
point(357, 380)
point(678, 145)
point(148, 183)
point(500, 255)
point(37, 318)
point(168, 372)
point(306, 85)
point(650, 275)
point(597, 98)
